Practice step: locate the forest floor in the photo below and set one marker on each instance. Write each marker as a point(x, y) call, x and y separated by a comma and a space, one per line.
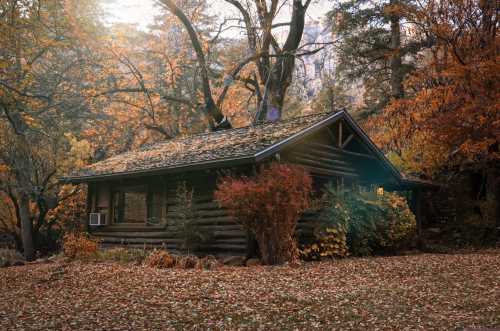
point(427, 291)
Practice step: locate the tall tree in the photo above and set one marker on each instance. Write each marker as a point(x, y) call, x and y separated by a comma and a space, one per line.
point(376, 44)
point(449, 120)
point(40, 96)
point(274, 62)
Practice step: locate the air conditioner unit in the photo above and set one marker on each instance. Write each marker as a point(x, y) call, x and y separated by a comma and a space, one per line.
point(97, 219)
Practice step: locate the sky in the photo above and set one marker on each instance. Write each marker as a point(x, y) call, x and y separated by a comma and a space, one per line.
point(140, 12)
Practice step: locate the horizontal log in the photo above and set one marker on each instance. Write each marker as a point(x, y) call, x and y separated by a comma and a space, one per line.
point(171, 248)
point(174, 213)
point(229, 234)
point(342, 151)
point(203, 206)
point(323, 165)
point(207, 205)
point(130, 228)
point(140, 240)
point(334, 157)
point(218, 234)
point(227, 247)
point(132, 234)
point(236, 241)
point(331, 163)
point(328, 172)
point(226, 220)
point(221, 228)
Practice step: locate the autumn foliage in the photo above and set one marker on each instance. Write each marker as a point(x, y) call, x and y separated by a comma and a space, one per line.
point(451, 112)
point(269, 205)
point(160, 259)
point(79, 246)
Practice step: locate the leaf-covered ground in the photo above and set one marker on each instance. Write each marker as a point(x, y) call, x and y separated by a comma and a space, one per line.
point(408, 292)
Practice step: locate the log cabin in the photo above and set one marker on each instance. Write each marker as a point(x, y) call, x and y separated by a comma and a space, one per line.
point(133, 198)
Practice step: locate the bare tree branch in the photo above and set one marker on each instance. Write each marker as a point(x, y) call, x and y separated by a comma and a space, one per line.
point(210, 106)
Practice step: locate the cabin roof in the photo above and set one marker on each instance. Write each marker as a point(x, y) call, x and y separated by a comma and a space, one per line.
point(218, 147)
point(230, 147)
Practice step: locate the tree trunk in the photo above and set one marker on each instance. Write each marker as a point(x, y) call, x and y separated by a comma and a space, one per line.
point(26, 226)
point(281, 72)
point(217, 119)
point(397, 90)
point(275, 245)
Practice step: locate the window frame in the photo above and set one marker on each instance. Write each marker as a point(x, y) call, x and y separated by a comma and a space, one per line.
point(118, 208)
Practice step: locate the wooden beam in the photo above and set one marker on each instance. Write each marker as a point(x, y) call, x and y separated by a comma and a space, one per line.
point(348, 140)
point(331, 134)
point(340, 134)
point(88, 208)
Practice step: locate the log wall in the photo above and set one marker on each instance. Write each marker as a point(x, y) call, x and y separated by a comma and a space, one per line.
point(225, 235)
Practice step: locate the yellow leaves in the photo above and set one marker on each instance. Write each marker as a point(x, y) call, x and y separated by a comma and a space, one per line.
point(78, 155)
point(331, 242)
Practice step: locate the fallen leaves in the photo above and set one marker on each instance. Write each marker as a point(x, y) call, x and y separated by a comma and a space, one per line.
point(407, 292)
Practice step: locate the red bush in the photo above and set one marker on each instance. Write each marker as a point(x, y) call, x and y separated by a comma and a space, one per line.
point(269, 205)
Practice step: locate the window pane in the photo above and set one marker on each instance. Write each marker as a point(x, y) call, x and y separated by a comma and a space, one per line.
point(135, 206)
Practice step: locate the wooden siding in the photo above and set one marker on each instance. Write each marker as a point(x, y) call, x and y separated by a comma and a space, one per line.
point(226, 236)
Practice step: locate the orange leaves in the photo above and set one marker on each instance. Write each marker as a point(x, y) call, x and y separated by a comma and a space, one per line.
point(70, 210)
point(277, 189)
point(79, 246)
point(453, 114)
point(416, 292)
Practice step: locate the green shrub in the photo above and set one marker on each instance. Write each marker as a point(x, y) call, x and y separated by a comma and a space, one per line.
point(190, 233)
point(10, 257)
point(373, 223)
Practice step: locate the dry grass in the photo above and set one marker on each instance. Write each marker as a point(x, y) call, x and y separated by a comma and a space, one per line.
point(409, 292)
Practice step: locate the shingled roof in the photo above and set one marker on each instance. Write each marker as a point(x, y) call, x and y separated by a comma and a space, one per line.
point(244, 144)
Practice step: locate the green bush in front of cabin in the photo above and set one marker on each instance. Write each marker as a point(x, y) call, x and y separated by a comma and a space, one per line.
point(370, 223)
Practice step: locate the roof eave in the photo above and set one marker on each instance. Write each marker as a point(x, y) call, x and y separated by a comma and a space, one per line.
point(164, 170)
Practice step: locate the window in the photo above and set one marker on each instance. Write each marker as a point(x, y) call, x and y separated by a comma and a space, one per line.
point(135, 208)
point(138, 205)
